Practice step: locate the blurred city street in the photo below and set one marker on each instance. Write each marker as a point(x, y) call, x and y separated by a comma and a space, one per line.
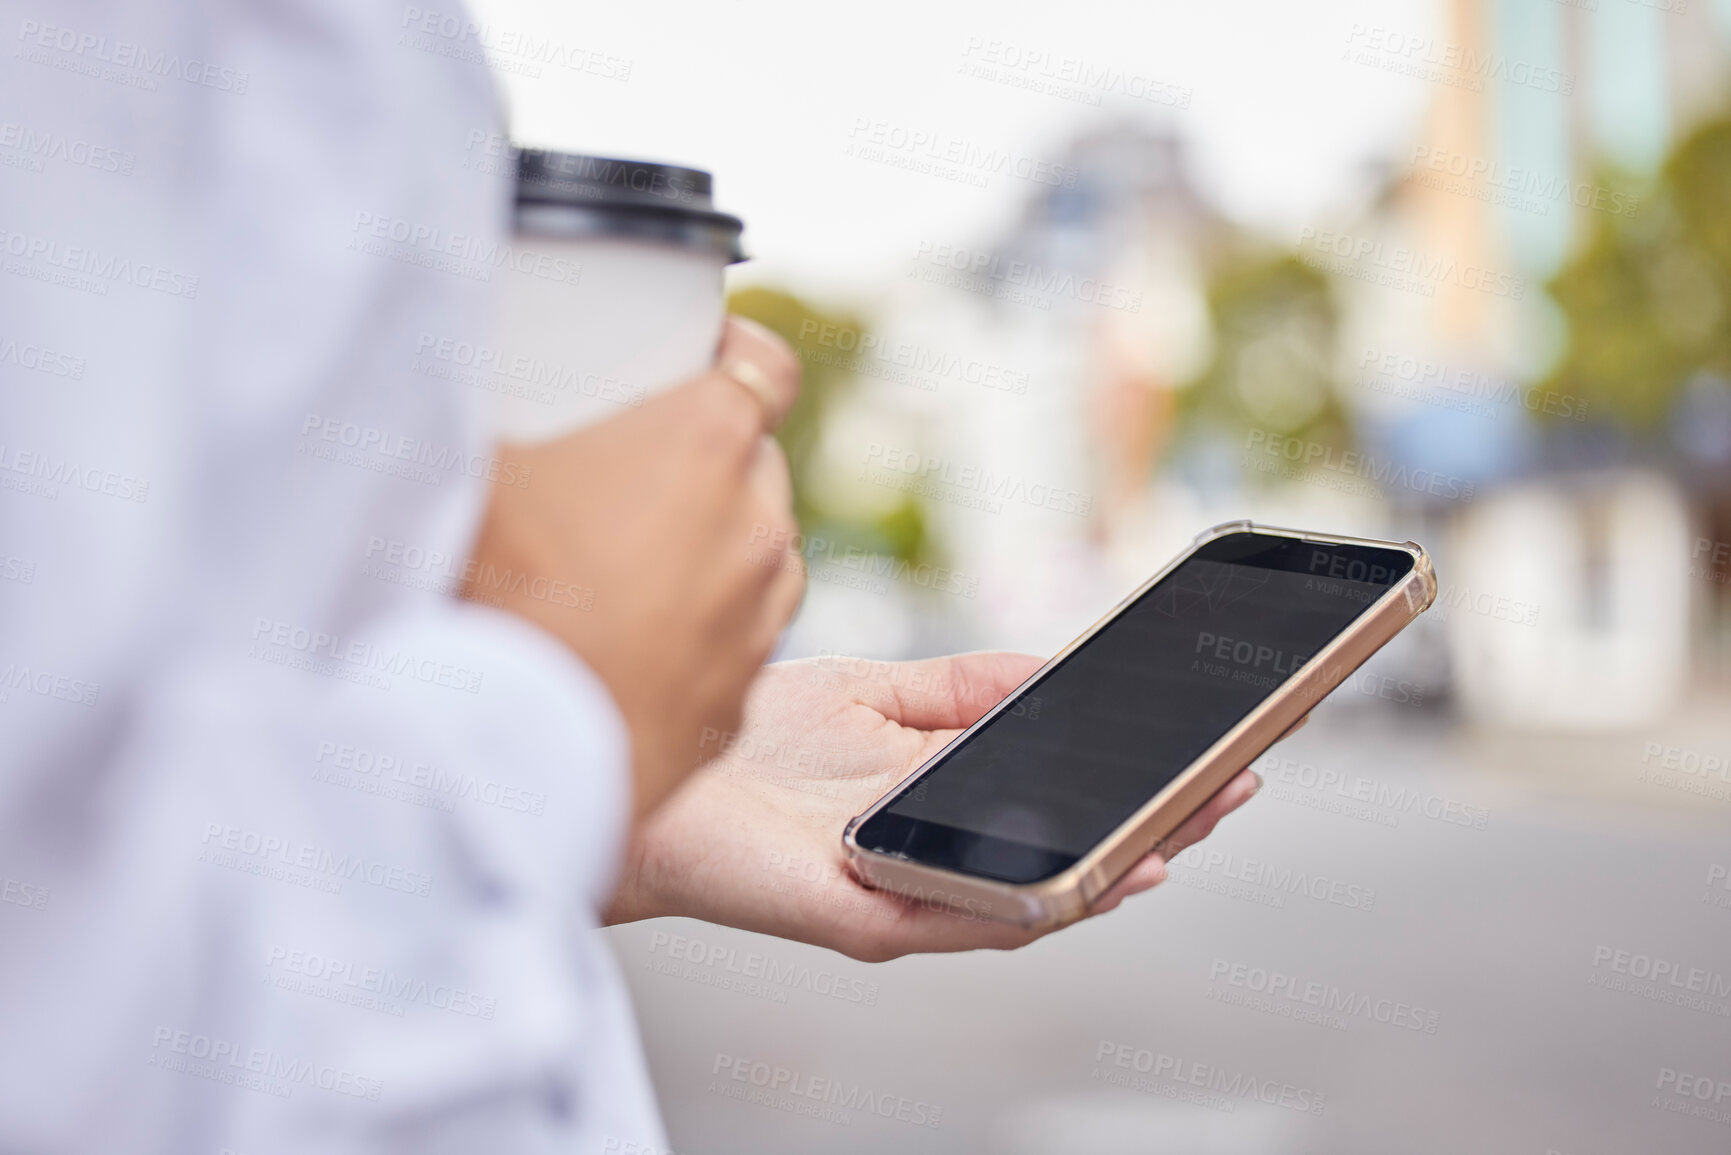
point(420, 423)
point(1452, 272)
point(1496, 938)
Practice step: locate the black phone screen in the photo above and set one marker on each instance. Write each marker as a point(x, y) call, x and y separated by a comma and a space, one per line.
point(1102, 732)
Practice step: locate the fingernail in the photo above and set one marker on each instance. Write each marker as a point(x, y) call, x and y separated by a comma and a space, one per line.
point(1257, 787)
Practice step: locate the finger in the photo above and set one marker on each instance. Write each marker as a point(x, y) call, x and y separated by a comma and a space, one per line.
point(776, 542)
point(1201, 824)
point(1145, 875)
point(1150, 870)
point(895, 926)
point(1294, 728)
point(761, 361)
point(945, 693)
point(711, 415)
point(780, 603)
point(771, 477)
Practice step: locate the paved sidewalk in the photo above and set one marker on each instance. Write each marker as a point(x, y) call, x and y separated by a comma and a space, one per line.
point(1416, 940)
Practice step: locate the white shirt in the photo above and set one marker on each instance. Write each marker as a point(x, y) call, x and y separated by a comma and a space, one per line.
point(298, 853)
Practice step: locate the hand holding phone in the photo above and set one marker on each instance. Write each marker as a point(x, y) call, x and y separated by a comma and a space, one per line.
point(749, 841)
point(1039, 807)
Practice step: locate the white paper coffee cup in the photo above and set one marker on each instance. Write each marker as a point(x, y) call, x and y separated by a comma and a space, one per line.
point(616, 292)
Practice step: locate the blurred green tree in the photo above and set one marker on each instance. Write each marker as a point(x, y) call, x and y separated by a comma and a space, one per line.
point(828, 380)
point(1646, 294)
point(1276, 330)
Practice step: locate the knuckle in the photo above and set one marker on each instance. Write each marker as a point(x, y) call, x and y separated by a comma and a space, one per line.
point(756, 582)
point(778, 457)
point(778, 609)
point(787, 602)
point(872, 947)
point(742, 426)
point(729, 415)
point(782, 365)
point(780, 518)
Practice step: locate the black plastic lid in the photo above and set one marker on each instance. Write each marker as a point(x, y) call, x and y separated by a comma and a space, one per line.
point(565, 194)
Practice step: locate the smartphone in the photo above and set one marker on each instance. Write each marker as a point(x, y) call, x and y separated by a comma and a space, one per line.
point(1031, 813)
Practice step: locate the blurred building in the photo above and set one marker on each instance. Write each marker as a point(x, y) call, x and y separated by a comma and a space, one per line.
point(1061, 354)
point(1086, 313)
point(1449, 325)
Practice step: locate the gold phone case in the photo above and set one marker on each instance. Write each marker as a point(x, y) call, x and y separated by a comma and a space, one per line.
point(1066, 897)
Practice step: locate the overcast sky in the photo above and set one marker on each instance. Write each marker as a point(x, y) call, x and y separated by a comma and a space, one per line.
point(770, 95)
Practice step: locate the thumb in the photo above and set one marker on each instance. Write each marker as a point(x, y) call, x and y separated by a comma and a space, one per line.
point(942, 693)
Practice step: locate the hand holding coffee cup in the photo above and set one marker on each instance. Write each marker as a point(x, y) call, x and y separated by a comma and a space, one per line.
point(661, 511)
point(655, 482)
